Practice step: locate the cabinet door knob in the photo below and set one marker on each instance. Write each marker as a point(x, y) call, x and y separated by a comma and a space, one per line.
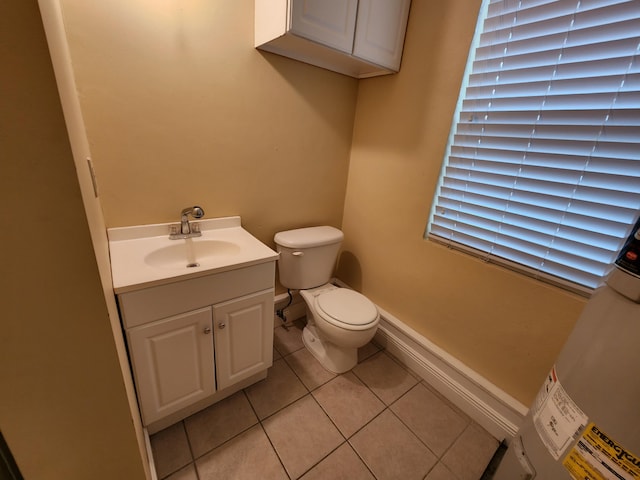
point(207, 330)
point(221, 325)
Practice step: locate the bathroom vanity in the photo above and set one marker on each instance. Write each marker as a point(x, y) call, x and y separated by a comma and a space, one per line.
point(197, 314)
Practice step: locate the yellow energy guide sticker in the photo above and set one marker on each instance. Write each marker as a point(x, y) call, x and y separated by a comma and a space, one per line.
point(596, 456)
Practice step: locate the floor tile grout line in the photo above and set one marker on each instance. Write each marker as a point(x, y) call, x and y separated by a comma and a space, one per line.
point(319, 461)
point(309, 393)
point(283, 354)
point(186, 434)
point(401, 365)
point(193, 457)
point(411, 430)
point(348, 439)
point(329, 417)
point(388, 407)
point(282, 407)
point(246, 396)
point(374, 393)
point(344, 437)
point(184, 429)
point(444, 399)
point(468, 423)
point(300, 378)
point(360, 456)
point(432, 468)
point(286, 354)
point(322, 459)
point(225, 442)
point(455, 440)
point(363, 426)
point(273, 447)
point(378, 350)
point(258, 423)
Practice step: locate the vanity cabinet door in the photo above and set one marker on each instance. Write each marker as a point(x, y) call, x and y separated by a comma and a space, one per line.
point(329, 22)
point(380, 31)
point(173, 362)
point(243, 337)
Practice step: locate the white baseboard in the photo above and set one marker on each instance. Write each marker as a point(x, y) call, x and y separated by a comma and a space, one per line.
point(152, 465)
point(496, 411)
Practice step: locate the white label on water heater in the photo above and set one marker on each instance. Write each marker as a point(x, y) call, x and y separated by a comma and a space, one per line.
point(557, 418)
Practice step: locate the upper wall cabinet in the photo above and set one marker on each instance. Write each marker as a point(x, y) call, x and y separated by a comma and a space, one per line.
point(359, 38)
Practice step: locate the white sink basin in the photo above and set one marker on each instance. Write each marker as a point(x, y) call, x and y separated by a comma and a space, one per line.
point(143, 256)
point(191, 253)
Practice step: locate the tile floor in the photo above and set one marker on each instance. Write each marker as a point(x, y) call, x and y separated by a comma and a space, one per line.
point(378, 421)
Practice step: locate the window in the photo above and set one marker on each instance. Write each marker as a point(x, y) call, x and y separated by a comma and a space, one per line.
point(542, 170)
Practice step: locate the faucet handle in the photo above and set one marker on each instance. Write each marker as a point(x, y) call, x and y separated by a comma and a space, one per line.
point(195, 212)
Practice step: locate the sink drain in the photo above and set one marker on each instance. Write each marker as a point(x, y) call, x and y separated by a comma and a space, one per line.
point(191, 265)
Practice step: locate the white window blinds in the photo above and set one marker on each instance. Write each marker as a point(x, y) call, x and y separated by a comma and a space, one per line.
point(542, 171)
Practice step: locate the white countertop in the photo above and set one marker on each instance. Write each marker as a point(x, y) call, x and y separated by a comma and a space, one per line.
point(143, 256)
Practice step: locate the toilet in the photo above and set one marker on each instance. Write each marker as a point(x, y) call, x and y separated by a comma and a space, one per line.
point(339, 320)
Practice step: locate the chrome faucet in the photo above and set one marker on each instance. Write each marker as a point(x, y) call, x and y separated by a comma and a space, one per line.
point(186, 229)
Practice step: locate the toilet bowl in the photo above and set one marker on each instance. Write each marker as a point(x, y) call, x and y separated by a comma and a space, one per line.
point(339, 321)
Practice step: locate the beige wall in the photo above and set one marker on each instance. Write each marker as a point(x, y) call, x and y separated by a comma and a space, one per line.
point(505, 326)
point(64, 409)
point(181, 110)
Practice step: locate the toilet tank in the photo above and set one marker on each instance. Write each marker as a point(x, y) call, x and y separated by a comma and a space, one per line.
point(307, 256)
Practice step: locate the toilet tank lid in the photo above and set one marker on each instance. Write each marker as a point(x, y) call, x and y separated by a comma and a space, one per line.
point(308, 237)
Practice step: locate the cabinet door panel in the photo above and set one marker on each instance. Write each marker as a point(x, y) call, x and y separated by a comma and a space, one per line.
point(244, 337)
point(173, 363)
point(380, 31)
point(329, 22)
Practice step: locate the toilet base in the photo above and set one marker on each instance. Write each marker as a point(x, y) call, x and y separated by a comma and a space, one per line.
point(332, 357)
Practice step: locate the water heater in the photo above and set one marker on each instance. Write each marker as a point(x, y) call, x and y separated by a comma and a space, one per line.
point(585, 421)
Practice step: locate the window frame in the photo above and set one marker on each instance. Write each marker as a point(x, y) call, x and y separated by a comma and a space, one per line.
point(570, 285)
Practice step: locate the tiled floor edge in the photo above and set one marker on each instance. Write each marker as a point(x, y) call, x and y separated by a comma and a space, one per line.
point(496, 411)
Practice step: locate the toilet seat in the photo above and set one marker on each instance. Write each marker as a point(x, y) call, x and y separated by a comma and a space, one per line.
point(346, 309)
